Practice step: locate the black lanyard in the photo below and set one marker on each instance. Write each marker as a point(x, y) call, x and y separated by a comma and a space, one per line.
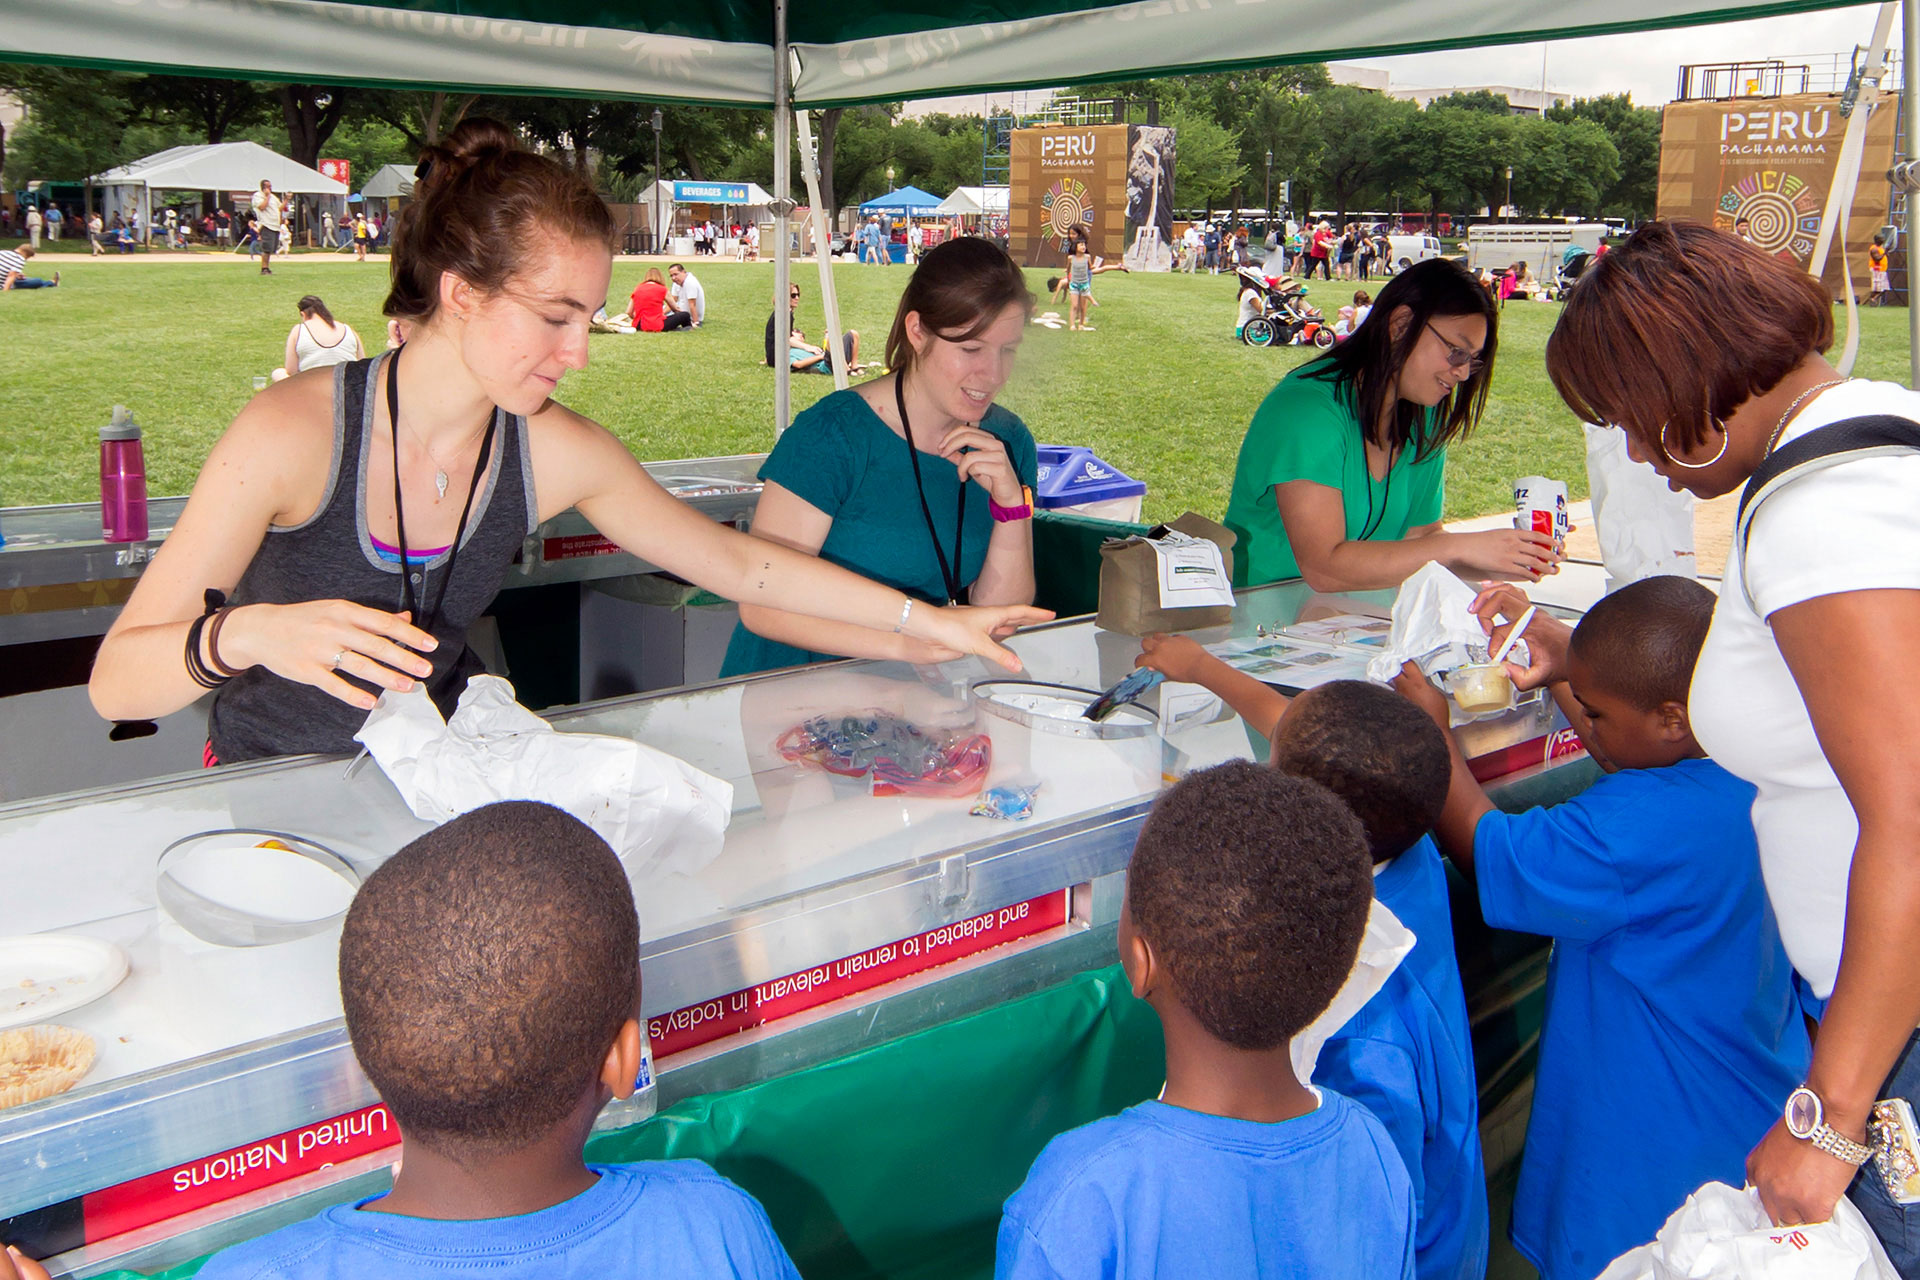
point(407, 601)
point(949, 574)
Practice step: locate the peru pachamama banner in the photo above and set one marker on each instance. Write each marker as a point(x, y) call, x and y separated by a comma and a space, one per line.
point(1772, 161)
point(1067, 176)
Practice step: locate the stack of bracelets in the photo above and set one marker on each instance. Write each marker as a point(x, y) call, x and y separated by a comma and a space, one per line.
point(901, 757)
point(209, 672)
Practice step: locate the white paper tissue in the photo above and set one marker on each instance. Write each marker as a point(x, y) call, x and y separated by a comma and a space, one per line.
point(657, 811)
point(1433, 624)
point(1384, 945)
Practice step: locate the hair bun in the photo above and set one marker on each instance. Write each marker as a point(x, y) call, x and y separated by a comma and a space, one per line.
point(473, 141)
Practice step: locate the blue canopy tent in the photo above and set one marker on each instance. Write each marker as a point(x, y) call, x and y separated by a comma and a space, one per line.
point(906, 202)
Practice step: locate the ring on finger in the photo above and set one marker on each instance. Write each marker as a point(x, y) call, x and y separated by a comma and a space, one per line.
point(339, 656)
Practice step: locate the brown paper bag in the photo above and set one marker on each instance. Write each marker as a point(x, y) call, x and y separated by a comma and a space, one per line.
point(1130, 583)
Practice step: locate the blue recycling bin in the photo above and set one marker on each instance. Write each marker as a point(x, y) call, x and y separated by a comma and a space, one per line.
point(1074, 479)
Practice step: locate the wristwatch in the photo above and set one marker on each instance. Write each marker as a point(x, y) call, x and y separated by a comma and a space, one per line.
point(1022, 512)
point(1806, 1120)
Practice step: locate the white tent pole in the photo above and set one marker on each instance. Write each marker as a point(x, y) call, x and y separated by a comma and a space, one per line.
point(782, 213)
point(1909, 74)
point(823, 250)
point(1852, 144)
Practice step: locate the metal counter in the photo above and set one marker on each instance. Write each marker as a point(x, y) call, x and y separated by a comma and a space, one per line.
point(203, 1049)
point(61, 580)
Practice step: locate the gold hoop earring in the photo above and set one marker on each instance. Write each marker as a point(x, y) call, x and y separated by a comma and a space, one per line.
point(1719, 426)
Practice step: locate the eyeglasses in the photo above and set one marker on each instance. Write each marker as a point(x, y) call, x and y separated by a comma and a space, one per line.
point(1459, 357)
point(795, 295)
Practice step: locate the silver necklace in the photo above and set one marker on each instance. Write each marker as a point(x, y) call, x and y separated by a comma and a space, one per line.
point(440, 477)
point(1781, 427)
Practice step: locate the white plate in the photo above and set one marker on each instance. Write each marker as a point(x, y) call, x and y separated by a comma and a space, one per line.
point(46, 974)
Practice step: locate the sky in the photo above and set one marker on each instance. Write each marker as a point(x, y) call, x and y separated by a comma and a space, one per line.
point(1646, 64)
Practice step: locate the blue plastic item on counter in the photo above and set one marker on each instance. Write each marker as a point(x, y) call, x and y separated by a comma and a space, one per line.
point(1070, 476)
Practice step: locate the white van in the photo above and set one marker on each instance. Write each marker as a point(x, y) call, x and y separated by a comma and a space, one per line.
point(1408, 250)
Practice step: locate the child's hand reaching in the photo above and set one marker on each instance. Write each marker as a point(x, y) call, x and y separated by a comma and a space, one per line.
point(1413, 685)
point(15, 1265)
point(1547, 638)
point(1175, 657)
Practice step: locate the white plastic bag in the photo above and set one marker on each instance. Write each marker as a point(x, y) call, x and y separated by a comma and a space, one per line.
point(1433, 625)
point(1645, 528)
point(1724, 1234)
point(656, 810)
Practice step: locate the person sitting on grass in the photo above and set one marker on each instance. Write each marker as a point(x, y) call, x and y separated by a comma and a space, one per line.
point(1246, 901)
point(647, 308)
point(13, 270)
point(808, 358)
point(1672, 1031)
point(490, 973)
point(801, 353)
point(1407, 1054)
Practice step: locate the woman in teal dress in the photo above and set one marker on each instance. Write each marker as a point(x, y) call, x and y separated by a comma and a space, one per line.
point(1341, 475)
point(916, 479)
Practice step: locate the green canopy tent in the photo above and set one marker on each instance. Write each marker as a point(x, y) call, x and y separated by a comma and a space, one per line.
point(782, 54)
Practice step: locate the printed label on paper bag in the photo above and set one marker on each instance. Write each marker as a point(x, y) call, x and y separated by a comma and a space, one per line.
point(1192, 572)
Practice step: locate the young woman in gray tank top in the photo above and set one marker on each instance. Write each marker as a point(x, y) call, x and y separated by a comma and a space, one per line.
point(352, 522)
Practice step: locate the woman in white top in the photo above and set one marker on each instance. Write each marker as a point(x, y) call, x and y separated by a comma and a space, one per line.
point(1709, 353)
point(318, 340)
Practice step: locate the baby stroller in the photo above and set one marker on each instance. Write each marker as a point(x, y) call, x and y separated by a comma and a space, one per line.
point(1289, 317)
point(1573, 264)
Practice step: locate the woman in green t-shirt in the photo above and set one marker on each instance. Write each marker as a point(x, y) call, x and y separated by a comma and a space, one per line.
point(1341, 474)
point(917, 479)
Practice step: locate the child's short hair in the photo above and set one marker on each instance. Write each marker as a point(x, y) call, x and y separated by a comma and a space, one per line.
point(1880, 240)
point(1376, 751)
point(1053, 283)
point(1642, 641)
point(486, 968)
point(1252, 887)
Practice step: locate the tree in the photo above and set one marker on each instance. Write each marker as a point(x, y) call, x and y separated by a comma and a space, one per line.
point(1358, 135)
point(311, 112)
point(1431, 156)
point(212, 106)
point(423, 117)
point(1562, 167)
point(75, 124)
point(1635, 134)
point(1206, 158)
point(1484, 101)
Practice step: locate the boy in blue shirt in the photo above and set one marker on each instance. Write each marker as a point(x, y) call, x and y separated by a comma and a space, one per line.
point(1407, 1055)
point(1672, 1035)
point(491, 976)
point(1246, 900)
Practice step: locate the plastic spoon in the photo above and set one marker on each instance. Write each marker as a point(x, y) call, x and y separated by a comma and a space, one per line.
point(1519, 626)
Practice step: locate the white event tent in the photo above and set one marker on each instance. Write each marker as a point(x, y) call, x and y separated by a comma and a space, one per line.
point(972, 202)
point(224, 168)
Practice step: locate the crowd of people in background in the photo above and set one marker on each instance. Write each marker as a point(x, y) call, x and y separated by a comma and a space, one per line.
point(181, 227)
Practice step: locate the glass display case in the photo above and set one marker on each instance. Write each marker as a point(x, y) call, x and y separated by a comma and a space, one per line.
point(222, 1070)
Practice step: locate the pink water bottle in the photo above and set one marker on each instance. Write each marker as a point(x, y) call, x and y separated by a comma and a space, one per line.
point(123, 480)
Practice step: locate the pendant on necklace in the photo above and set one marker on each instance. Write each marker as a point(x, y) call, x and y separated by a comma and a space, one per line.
point(440, 482)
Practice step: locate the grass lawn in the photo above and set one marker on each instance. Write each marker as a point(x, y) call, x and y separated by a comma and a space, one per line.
point(1160, 389)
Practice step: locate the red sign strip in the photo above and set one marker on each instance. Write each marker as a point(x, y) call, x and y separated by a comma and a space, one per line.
point(1558, 745)
point(226, 1174)
point(702, 1023)
point(577, 546)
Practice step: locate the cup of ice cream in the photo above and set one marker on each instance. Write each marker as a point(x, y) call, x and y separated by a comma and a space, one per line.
point(1478, 687)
